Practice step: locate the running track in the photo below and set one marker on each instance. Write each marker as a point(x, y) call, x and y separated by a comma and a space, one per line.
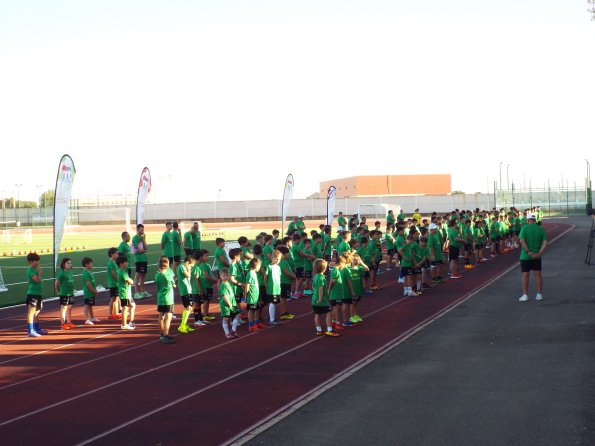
point(102, 386)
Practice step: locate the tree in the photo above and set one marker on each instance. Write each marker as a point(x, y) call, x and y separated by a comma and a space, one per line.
point(47, 198)
point(457, 192)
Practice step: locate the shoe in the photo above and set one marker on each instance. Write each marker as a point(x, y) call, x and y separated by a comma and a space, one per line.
point(209, 318)
point(261, 326)
point(168, 340)
point(241, 322)
point(401, 280)
point(189, 329)
point(308, 292)
point(71, 325)
point(112, 317)
point(368, 291)
point(33, 334)
point(253, 328)
point(332, 334)
point(138, 296)
point(200, 324)
point(523, 298)
point(319, 333)
point(235, 334)
point(353, 320)
point(358, 317)
point(484, 259)
point(493, 255)
point(65, 327)
point(131, 324)
point(287, 316)
point(389, 268)
point(375, 288)
point(274, 323)
point(381, 272)
point(456, 276)
point(229, 336)
point(126, 327)
point(338, 327)
point(412, 293)
point(95, 320)
point(348, 324)
point(173, 316)
point(293, 297)
point(88, 322)
point(183, 329)
point(146, 294)
point(538, 296)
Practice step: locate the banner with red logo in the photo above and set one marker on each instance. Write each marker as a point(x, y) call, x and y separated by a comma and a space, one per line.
point(144, 187)
point(287, 195)
point(64, 180)
point(330, 205)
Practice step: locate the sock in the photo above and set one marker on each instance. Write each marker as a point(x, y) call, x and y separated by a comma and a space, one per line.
point(419, 284)
point(401, 274)
point(250, 324)
point(234, 323)
point(271, 312)
point(319, 329)
point(36, 327)
point(197, 315)
point(185, 315)
point(329, 328)
point(466, 261)
point(225, 326)
point(30, 328)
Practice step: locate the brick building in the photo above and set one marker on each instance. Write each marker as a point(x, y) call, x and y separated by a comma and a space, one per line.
point(373, 185)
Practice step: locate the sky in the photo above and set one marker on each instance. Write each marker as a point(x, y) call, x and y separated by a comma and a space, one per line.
point(222, 99)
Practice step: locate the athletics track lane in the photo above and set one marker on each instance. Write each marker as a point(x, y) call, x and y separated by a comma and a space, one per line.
point(270, 379)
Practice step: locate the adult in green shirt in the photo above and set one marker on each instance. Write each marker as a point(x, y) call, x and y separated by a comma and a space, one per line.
point(390, 218)
point(124, 249)
point(191, 239)
point(342, 221)
point(176, 236)
point(196, 237)
point(167, 242)
point(300, 226)
point(455, 243)
point(533, 240)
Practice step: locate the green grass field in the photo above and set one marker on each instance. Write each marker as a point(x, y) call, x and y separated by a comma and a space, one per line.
point(96, 245)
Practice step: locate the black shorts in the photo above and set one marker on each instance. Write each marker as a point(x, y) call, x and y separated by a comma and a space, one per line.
point(528, 265)
point(335, 302)
point(516, 233)
point(391, 251)
point(356, 298)
point(141, 267)
point(177, 259)
point(407, 271)
point(347, 300)
point(437, 262)
point(468, 247)
point(208, 296)
point(171, 261)
point(365, 274)
point(416, 271)
point(89, 301)
point(262, 291)
point(327, 257)
point(253, 307)
point(113, 292)
point(479, 246)
point(187, 300)
point(66, 300)
point(496, 239)
point(320, 310)
point(165, 308)
point(425, 265)
point(453, 253)
point(308, 274)
point(126, 302)
point(299, 273)
point(34, 301)
point(285, 290)
point(374, 266)
point(274, 299)
point(129, 272)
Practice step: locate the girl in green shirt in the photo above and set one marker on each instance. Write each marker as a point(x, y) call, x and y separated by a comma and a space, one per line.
point(64, 287)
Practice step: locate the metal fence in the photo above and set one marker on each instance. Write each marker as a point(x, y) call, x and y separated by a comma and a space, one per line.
point(553, 201)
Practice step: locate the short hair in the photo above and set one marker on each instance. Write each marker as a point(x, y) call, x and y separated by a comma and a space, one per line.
point(423, 240)
point(120, 260)
point(111, 252)
point(219, 240)
point(410, 237)
point(167, 223)
point(319, 266)
point(234, 252)
point(140, 225)
point(86, 261)
point(189, 258)
point(163, 262)
point(124, 234)
point(257, 250)
point(296, 237)
point(275, 231)
point(33, 257)
point(175, 223)
point(242, 240)
point(268, 238)
point(224, 271)
point(253, 262)
point(283, 250)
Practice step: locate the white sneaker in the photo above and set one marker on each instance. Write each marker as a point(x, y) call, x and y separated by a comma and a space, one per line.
point(539, 297)
point(199, 324)
point(131, 324)
point(173, 316)
point(138, 296)
point(401, 280)
point(33, 334)
point(412, 293)
point(88, 322)
point(523, 298)
point(127, 327)
point(95, 320)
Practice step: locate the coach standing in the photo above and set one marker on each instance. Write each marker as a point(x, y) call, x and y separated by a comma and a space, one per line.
point(533, 241)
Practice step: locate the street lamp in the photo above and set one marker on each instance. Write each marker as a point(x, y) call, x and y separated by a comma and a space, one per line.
point(507, 182)
point(589, 203)
point(18, 206)
point(501, 174)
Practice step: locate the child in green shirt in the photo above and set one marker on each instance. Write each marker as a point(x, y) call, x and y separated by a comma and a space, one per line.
point(184, 273)
point(320, 302)
point(64, 287)
point(164, 283)
point(228, 305)
point(34, 296)
point(89, 291)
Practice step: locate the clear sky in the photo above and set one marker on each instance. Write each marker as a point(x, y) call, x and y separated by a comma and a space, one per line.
point(233, 95)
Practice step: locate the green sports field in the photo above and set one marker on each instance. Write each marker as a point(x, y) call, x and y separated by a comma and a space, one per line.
point(93, 242)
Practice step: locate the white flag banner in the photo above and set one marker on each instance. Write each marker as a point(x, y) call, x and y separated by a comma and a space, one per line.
point(287, 195)
point(64, 180)
point(144, 187)
point(330, 205)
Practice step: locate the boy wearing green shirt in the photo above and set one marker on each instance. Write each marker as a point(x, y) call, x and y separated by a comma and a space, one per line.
point(533, 240)
point(126, 300)
point(207, 281)
point(177, 244)
point(112, 284)
point(139, 248)
point(228, 305)
point(167, 242)
point(164, 283)
point(34, 296)
point(320, 301)
point(64, 287)
point(221, 259)
point(89, 291)
point(287, 276)
point(124, 249)
point(184, 274)
point(407, 266)
point(272, 279)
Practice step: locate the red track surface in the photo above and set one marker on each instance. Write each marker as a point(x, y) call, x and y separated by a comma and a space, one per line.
point(103, 386)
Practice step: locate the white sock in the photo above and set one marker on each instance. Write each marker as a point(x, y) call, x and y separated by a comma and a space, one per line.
point(272, 312)
point(418, 284)
point(319, 329)
point(235, 322)
point(225, 326)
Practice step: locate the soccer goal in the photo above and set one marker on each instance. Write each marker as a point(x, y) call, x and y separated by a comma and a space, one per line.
point(6, 236)
point(2, 285)
point(375, 211)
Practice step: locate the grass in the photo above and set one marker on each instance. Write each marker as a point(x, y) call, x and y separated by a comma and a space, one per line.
point(96, 244)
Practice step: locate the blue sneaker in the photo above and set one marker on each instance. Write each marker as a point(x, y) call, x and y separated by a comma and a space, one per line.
point(274, 323)
point(347, 324)
point(368, 291)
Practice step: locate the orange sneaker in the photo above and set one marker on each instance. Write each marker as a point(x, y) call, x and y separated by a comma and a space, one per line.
point(332, 334)
point(71, 325)
point(338, 327)
point(65, 327)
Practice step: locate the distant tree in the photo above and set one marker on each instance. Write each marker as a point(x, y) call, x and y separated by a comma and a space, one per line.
point(26, 204)
point(458, 192)
point(8, 203)
point(47, 198)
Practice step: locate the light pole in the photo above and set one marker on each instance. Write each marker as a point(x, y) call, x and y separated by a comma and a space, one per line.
point(501, 174)
point(589, 203)
point(507, 181)
point(18, 204)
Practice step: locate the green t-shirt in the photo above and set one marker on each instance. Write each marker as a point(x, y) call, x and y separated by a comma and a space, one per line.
point(346, 277)
point(468, 235)
point(176, 241)
point(188, 243)
point(226, 289)
point(124, 249)
point(328, 244)
point(534, 236)
point(390, 241)
point(66, 283)
point(307, 261)
point(343, 247)
point(112, 266)
point(453, 234)
point(236, 270)
point(300, 226)
point(123, 287)
point(196, 274)
point(341, 221)
point(196, 240)
point(318, 250)
point(184, 283)
point(285, 267)
point(337, 289)
point(88, 276)
point(252, 280)
point(401, 216)
point(494, 229)
point(390, 219)
point(206, 271)
point(273, 279)
point(320, 283)
point(164, 282)
point(168, 244)
point(420, 252)
point(220, 251)
point(407, 253)
point(298, 259)
point(34, 289)
point(137, 242)
point(357, 280)
point(435, 242)
point(267, 251)
point(365, 254)
point(399, 242)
